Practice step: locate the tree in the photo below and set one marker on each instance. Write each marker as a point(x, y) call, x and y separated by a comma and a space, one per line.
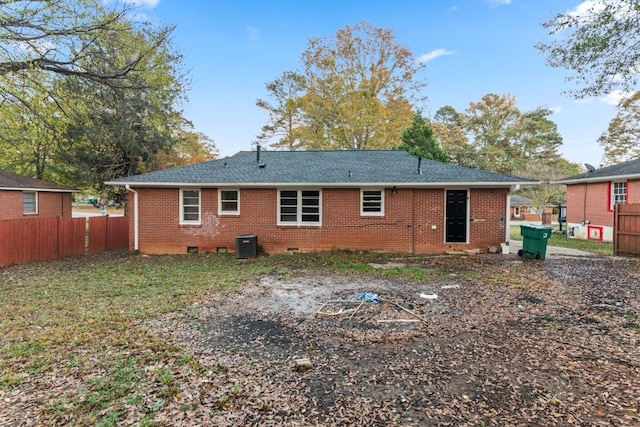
point(118, 131)
point(419, 140)
point(63, 38)
point(491, 124)
point(621, 141)
point(506, 139)
point(447, 126)
point(97, 104)
point(600, 43)
point(284, 111)
point(191, 147)
point(356, 92)
point(545, 193)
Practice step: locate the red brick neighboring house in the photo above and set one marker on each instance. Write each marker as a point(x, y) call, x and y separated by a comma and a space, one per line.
point(319, 200)
point(592, 195)
point(24, 197)
point(522, 209)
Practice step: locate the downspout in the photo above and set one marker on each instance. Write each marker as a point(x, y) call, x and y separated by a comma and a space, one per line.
point(135, 217)
point(507, 230)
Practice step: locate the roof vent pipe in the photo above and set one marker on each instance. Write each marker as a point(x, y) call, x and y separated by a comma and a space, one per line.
point(419, 171)
point(349, 174)
point(258, 153)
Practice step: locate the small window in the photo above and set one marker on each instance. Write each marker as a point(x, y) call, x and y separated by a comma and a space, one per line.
point(299, 207)
point(372, 203)
point(516, 212)
point(190, 206)
point(228, 202)
point(29, 202)
point(618, 193)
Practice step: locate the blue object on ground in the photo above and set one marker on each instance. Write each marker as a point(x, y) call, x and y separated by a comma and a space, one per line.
point(368, 296)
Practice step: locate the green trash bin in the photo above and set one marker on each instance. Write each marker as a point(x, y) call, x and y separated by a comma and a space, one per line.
point(534, 240)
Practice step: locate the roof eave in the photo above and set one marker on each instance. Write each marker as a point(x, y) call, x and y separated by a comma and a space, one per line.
point(323, 184)
point(49, 190)
point(598, 179)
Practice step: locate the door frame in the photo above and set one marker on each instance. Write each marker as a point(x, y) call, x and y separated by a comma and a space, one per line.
point(467, 213)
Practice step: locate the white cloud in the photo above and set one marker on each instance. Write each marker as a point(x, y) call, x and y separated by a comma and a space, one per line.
point(454, 8)
point(614, 97)
point(555, 110)
point(585, 8)
point(583, 101)
point(143, 3)
point(498, 2)
point(433, 55)
point(253, 33)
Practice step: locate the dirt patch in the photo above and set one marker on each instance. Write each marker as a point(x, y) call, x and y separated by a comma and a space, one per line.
point(493, 340)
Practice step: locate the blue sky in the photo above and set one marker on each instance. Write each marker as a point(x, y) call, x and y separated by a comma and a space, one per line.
point(232, 48)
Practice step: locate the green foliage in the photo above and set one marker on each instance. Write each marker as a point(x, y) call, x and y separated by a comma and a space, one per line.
point(621, 141)
point(493, 134)
point(599, 43)
point(103, 112)
point(354, 92)
point(419, 140)
point(545, 193)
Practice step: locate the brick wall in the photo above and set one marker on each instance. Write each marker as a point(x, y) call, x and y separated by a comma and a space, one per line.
point(590, 202)
point(413, 222)
point(50, 204)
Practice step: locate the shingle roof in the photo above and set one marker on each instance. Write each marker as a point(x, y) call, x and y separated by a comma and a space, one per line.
point(12, 181)
point(517, 200)
point(625, 170)
point(339, 168)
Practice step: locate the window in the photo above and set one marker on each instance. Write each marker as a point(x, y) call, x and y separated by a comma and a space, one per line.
point(516, 211)
point(299, 207)
point(228, 202)
point(190, 206)
point(29, 202)
point(618, 193)
point(372, 203)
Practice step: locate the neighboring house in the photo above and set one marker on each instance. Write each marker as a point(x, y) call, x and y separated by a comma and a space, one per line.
point(522, 209)
point(319, 200)
point(591, 197)
point(24, 197)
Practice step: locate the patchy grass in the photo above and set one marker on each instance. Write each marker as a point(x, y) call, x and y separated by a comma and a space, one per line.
point(560, 239)
point(77, 320)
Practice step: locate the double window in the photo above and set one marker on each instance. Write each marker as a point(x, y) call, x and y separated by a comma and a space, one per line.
point(618, 194)
point(228, 202)
point(29, 202)
point(371, 202)
point(190, 206)
point(299, 207)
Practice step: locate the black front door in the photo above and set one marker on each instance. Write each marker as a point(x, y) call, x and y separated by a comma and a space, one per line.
point(456, 216)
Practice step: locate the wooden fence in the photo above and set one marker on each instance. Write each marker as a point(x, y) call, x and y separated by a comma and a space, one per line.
point(43, 239)
point(626, 229)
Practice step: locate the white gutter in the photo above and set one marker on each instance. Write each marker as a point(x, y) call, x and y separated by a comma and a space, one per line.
point(598, 179)
point(135, 217)
point(470, 184)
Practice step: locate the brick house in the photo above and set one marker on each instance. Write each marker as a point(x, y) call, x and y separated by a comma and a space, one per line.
point(24, 197)
point(319, 200)
point(522, 209)
point(592, 195)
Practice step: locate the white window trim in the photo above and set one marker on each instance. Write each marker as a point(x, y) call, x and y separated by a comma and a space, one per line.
point(181, 213)
point(362, 212)
point(299, 222)
point(516, 212)
point(612, 202)
point(35, 198)
point(220, 211)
